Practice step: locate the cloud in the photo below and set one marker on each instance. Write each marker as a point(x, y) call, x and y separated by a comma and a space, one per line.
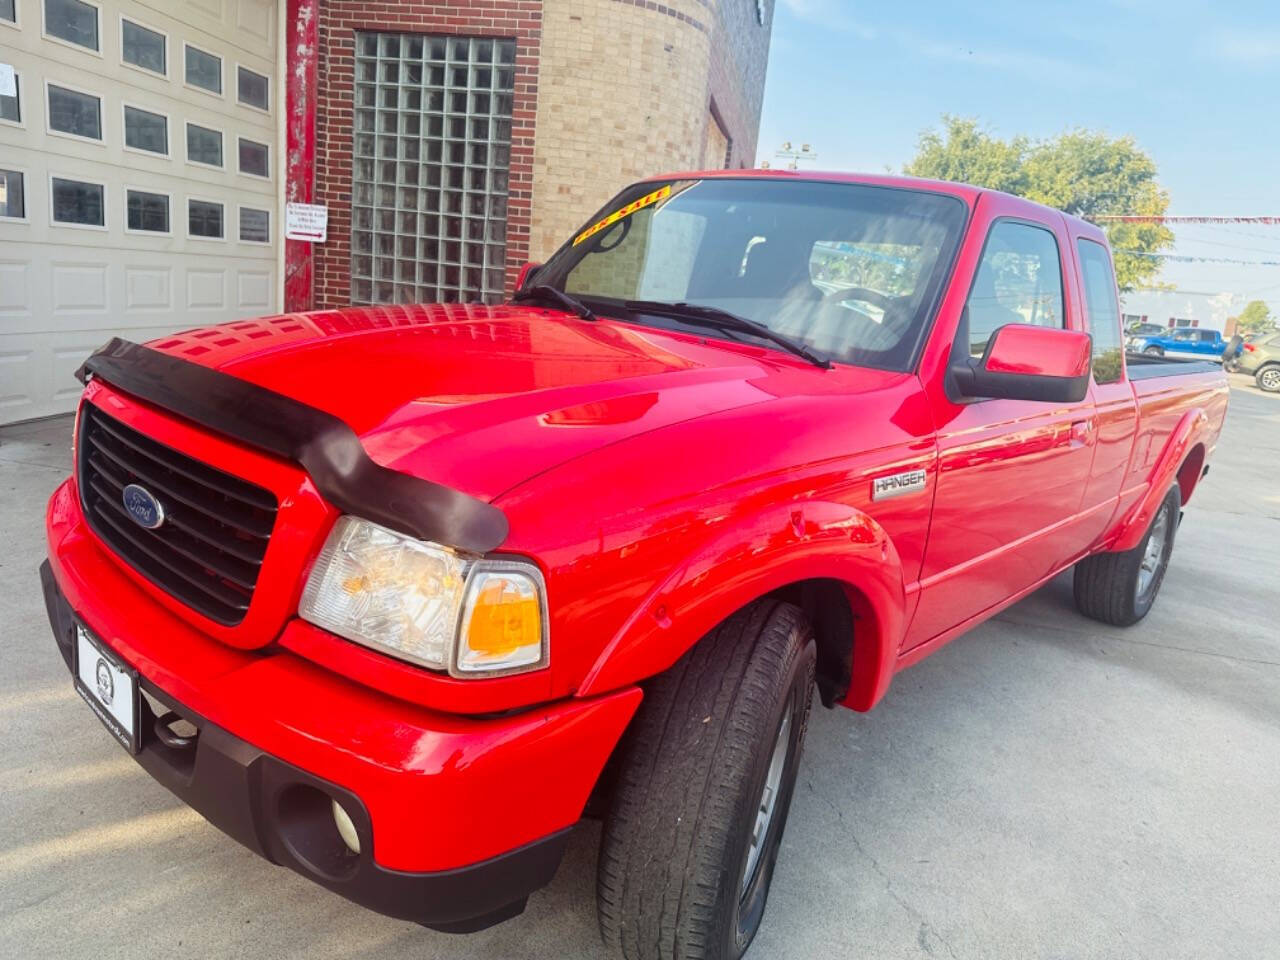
point(993, 58)
point(837, 15)
point(1250, 47)
point(832, 14)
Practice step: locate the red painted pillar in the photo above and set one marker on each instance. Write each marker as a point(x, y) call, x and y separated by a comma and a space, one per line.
point(301, 45)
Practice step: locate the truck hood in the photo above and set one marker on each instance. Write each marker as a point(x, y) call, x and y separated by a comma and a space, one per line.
point(482, 398)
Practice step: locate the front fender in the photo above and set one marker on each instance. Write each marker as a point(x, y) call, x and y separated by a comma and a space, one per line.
point(1191, 430)
point(769, 550)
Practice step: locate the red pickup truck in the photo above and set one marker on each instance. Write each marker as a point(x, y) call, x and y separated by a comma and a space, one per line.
point(389, 594)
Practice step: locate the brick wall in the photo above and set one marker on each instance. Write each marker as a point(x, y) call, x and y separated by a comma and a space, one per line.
point(739, 58)
point(629, 88)
point(339, 21)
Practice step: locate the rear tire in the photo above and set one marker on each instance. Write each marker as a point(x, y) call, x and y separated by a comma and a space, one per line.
point(1120, 588)
point(1268, 378)
point(709, 763)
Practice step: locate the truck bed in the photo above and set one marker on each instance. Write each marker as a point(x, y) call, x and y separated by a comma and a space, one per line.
point(1143, 366)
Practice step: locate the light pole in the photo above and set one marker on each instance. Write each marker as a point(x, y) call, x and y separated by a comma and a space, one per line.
point(793, 155)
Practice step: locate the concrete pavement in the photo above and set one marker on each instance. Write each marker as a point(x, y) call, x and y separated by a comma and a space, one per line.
point(1045, 787)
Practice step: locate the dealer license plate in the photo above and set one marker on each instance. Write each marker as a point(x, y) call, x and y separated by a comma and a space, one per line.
point(109, 686)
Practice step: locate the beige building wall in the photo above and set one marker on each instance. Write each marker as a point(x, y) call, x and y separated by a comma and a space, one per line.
point(717, 146)
point(626, 90)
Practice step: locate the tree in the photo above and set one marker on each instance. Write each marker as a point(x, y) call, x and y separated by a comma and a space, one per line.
point(965, 153)
point(1080, 172)
point(1254, 318)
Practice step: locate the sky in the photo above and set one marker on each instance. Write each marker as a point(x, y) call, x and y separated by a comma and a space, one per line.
point(1197, 84)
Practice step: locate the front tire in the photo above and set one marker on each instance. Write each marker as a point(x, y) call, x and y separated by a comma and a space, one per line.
point(1120, 588)
point(1268, 378)
point(1153, 352)
point(704, 786)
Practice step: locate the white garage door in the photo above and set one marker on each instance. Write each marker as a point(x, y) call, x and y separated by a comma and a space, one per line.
point(138, 171)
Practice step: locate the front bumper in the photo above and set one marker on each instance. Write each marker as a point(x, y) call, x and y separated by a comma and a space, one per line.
point(459, 818)
point(283, 813)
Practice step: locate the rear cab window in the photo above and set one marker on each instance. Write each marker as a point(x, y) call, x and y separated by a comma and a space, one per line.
point(1102, 306)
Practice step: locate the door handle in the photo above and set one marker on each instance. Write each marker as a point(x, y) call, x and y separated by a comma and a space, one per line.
point(1081, 432)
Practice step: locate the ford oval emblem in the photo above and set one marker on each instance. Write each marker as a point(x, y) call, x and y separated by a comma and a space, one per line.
point(142, 506)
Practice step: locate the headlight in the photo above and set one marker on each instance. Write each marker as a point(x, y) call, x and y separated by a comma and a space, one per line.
point(426, 603)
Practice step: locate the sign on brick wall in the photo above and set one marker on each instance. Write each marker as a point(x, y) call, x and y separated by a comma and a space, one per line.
point(306, 221)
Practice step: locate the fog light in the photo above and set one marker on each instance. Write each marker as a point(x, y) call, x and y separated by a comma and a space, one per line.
point(346, 829)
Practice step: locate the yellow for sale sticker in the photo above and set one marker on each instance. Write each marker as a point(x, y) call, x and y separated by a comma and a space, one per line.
point(647, 200)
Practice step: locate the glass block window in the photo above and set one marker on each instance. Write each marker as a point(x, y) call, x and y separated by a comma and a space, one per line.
point(144, 130)
point(432, 154)
point(143, 47)
point(147, 211)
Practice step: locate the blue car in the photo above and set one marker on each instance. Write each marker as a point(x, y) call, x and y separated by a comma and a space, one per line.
point(1187, 343)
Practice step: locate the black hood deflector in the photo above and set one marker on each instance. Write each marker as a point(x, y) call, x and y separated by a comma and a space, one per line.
point(322, 444)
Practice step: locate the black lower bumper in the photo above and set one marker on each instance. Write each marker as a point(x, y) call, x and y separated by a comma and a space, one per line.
point(285, 814)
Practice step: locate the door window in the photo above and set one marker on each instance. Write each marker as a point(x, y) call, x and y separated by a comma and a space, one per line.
point(204, 219)
point(204, 145)
point(144, 130)
point(147, 212)
point(251, 88)
point(1018, 281)
point(75, 201)
point(72, 21)
point(1104, 311)
point(78, 114)
point(253, 158)
point(10, 109)
point(143, 47)
point(255, 225)
point(203, 70)
point(12, 198)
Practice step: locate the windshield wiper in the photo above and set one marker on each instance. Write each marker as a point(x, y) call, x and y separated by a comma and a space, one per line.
point(544, 292)
point(696, 313)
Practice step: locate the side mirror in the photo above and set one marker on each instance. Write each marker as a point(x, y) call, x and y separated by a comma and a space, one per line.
point(1023, 362)
point(526, 272)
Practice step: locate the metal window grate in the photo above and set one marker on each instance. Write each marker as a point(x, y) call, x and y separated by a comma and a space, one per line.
point(431, 165)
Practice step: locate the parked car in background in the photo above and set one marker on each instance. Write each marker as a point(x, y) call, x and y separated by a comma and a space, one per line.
point(1135, 333)
point(1189, 343)
point(1260, 358)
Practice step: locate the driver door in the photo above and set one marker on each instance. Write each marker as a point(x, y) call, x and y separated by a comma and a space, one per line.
point(1012, 473)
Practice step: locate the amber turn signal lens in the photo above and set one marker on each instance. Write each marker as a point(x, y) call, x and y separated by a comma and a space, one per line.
point(503, 622)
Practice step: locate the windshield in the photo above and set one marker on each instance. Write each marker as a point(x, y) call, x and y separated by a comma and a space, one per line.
point(849, 270)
